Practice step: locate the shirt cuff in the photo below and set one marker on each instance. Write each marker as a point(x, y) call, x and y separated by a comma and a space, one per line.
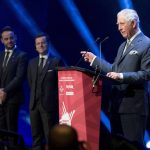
point(121, 75)
point(92, 61)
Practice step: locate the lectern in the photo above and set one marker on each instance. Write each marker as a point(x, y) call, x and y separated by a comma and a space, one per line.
point(80, 103)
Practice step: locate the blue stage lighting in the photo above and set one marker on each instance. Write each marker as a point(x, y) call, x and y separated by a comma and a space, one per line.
point(125, 4)
point(23, 16)
point(80, 25)
point(147, 139)
point(54, 52)
point(27, 21)
point(148, 145)
point(105, 121)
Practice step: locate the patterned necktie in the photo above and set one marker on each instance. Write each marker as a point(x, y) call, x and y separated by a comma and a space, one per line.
point(127, 45)
point(6, 59)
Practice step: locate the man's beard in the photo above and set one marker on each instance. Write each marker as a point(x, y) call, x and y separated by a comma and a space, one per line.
point(10, 47)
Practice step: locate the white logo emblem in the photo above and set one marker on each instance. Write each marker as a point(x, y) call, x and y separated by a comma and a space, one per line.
point(66, 117)
point(61, 89)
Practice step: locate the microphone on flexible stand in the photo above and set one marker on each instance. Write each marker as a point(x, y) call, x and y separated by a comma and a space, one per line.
point(106, 38)
point(78, 62)
point(100, 47)
point(98, 70)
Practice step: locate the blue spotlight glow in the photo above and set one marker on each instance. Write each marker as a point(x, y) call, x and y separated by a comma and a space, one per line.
point(105, 121)
point(147, 140)
point(54, 52)
point(148, 145)
point(23, 16)
point(125, 4)
point(80, 25)
point(27, 21)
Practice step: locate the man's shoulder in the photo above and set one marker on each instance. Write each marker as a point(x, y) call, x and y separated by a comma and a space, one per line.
point(146, 39)
point(20, 52)
point(33, 60)
point(54, 59)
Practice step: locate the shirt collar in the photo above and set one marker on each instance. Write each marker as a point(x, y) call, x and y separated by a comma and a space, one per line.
point(43, 56)
point(10, 50)
point(134, 36)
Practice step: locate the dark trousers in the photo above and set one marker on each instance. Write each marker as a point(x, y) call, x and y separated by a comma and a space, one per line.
point(9, 117)
point(129, 126)
point(41, 122)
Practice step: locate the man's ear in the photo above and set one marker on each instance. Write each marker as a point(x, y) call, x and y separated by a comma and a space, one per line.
point(134, 24)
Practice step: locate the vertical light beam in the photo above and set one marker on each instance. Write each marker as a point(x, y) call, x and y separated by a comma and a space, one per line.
point(80, 25)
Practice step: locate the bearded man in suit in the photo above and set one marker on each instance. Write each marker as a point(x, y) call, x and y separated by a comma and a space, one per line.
point(13, 66)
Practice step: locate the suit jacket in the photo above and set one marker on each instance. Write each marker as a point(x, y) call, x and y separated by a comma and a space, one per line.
point(49, 83)
point(130, 95)
point(12, 79)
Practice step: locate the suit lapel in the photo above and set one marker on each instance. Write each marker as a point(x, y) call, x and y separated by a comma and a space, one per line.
point(12, 58)
point(35, 69)
point(132, 45)
point(121, 52)
point(10, 61)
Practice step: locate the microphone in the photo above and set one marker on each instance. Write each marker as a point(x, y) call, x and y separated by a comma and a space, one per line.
point(97, 73)
point(100, 47)
point(78, 62)
point(106, 38)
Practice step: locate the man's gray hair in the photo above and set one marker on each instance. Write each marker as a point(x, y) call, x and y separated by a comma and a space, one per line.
point(130, 15)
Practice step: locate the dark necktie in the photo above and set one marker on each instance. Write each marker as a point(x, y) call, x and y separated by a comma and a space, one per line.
point(6, 59)
point(41, 64)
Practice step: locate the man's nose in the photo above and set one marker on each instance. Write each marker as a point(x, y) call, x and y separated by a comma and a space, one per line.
point(119, 27)
point(40, 44)
point(9, 40)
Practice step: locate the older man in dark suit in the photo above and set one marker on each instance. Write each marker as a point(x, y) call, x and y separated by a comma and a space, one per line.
point(42, 77)
point(131, 69)
point(13, 65)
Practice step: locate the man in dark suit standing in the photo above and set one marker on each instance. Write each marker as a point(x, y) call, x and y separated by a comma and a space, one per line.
point(131, 69)
point(13, 65)
point(42, 77)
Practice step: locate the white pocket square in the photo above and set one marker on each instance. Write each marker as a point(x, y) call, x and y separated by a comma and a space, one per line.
point(49, 70)
point(133, 52)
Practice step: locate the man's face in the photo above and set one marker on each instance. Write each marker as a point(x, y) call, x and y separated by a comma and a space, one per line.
point(8, 39)
point(41, 45)
point(126, 28)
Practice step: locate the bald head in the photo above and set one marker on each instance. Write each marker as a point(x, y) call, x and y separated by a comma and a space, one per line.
point(63, 137)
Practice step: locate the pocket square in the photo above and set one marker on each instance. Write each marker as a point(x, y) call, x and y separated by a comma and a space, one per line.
point(49, 70)
point(133, 52)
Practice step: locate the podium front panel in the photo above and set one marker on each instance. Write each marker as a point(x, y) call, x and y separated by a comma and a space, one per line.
point(79, 105)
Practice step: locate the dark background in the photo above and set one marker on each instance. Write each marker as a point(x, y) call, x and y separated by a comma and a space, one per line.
point(29, 17)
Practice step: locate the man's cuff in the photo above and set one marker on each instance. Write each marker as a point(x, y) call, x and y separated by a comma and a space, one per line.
point(92, 61)
point(121, 75)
